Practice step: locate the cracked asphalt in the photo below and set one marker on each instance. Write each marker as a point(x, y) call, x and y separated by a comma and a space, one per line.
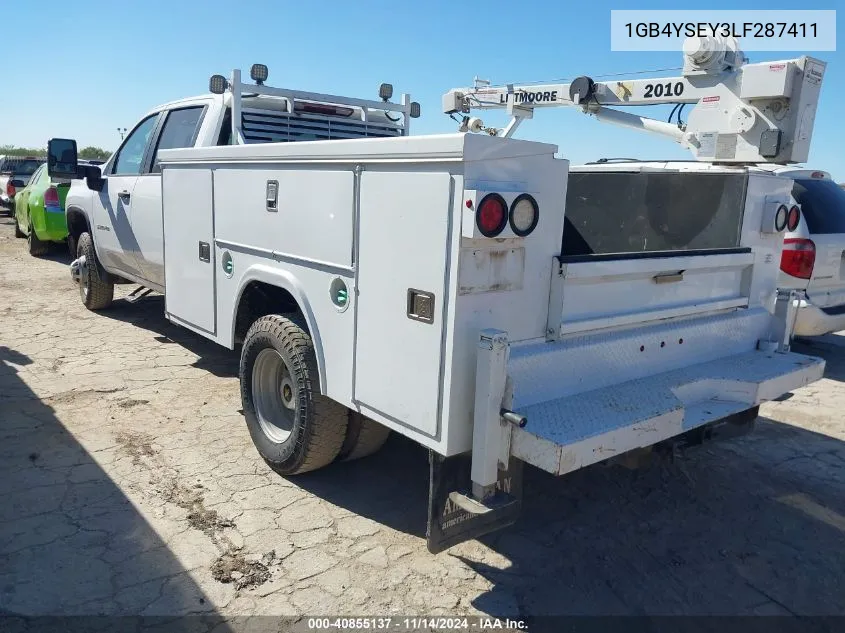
point(128, 485)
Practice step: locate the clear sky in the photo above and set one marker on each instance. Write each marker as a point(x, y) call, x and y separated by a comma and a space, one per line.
point(84, 69)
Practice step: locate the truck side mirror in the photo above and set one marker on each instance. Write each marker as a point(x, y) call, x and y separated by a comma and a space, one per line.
point(93, 176)
point(62, 160)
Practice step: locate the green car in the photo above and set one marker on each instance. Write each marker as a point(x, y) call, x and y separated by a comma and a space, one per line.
point(40, 212)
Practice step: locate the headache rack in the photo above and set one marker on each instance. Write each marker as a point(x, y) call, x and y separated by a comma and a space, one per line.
point(309, 116)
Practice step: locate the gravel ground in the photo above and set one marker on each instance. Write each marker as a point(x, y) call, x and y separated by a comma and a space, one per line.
point(128, 485)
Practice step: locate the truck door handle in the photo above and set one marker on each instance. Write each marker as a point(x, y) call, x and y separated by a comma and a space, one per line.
point(668, 278)
point(124, 195)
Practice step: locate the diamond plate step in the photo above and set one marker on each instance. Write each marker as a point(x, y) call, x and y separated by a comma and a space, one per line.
point(568, 433)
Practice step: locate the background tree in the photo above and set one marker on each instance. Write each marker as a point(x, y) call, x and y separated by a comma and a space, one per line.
point(86, 153)
point(12, 150)
point(93, 153)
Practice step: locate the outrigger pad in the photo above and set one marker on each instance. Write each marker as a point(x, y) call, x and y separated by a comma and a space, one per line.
point(453, 515)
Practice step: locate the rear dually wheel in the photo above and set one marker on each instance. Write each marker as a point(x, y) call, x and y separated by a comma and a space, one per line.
point(294, 427)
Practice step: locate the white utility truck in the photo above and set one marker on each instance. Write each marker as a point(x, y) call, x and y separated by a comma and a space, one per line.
point(417, 284)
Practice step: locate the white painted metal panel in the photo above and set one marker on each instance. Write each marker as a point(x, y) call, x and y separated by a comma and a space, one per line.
point(404, 238)
point(188, 219)
point(610, 293)
point(594, 360)
point(147, 227)
point(491, 269)
point(312, 220)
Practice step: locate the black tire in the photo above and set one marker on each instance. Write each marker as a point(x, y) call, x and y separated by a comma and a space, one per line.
point(72, 245)
point(35, 246)
point(297, 430)
point(95, 289)
point(18, 232)
point(364, 437)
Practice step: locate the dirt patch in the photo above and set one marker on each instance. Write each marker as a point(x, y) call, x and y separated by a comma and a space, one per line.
point(77, 395)
point(199, 517)
point(128, 403)
point(208, 520)
point(233, 566)
point(137, 445)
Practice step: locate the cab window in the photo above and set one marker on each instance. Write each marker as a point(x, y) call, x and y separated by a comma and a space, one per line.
point(180, 130)
point(130, 157)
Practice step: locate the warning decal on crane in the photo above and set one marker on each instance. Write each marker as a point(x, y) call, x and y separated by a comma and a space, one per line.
point(707, 144)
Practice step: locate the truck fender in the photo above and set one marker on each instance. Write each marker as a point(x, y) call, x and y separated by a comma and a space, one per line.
point(75, 217)
point(285, 280)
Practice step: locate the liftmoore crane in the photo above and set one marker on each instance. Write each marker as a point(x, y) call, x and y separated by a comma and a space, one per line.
point(742, 113)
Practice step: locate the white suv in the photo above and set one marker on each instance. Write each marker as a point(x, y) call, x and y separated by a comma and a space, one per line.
point(813, 257)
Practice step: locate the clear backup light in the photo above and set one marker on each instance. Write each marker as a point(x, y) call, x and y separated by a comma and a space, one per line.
point(524, 215)
point(781, 217)
point(385, 91)
point(217, 84)
point(415, 110)
point(259, 73)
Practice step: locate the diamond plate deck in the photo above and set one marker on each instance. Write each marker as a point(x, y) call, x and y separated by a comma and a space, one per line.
point(567, 433)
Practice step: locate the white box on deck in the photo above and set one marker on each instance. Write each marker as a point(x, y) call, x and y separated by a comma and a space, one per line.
point(767, 80)
point(387, 217)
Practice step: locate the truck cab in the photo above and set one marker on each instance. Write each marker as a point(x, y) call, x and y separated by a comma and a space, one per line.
point(123, 212)
point(119, 204)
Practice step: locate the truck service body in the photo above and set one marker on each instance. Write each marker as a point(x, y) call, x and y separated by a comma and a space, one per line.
point(418, 284)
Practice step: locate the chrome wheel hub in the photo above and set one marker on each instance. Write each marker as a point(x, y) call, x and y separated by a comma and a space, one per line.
point(79, 274)
point(274, 395)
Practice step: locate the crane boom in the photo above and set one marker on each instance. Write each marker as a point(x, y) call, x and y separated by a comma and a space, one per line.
point(742, 113)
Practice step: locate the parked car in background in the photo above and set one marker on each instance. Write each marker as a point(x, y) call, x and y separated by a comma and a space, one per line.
point(39, 212)
point(15, 168)
point(813, 258)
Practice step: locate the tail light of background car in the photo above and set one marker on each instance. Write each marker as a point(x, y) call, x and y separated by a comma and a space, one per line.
point(51, 197)
point(10, 190)
point(798, 257)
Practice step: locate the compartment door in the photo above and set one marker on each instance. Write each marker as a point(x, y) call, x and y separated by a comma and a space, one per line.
point(189, 263)
point(403, 253)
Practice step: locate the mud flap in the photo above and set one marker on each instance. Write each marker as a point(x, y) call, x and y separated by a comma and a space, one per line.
point(453, 516)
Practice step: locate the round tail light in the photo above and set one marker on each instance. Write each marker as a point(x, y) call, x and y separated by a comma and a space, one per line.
point(524, 215)
point(781, 218)
point(793, 218)
point(492, 215)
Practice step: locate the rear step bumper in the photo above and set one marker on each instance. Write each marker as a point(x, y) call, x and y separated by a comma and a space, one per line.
point(470, 496)
point(569, 433)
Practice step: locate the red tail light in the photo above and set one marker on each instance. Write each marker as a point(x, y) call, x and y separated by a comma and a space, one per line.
point(798, 257)
point(10, 190)
point(793, 219)
point(492, 215)
point(51, 197)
